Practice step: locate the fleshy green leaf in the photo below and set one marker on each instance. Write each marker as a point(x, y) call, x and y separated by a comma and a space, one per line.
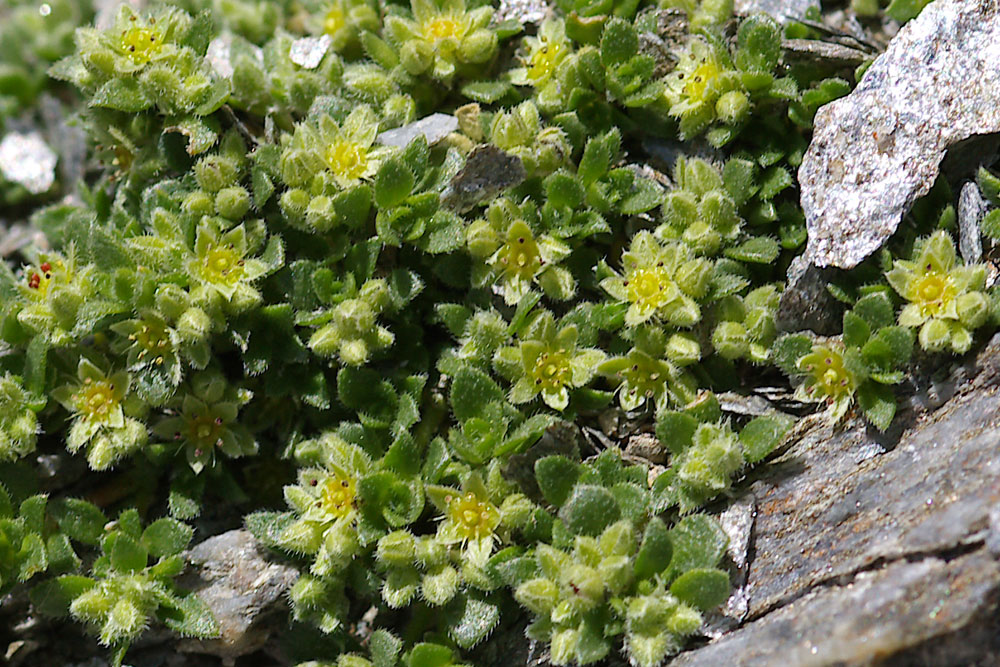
point(702, 588)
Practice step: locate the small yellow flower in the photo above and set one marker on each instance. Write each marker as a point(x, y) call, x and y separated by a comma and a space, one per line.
point(443, 27)
point(348, 160)
point(650, 288)
point(519, 258)
point(551, 371)
point(97, 400)
point(933, 292)
point(141, 43)
point(827, 376)
point(650, 284)
point(472, 517)
point(334, 20)
point(543, 61)
point(152, 339)
point(222, 265)
point(702, 80)
point(337, 495)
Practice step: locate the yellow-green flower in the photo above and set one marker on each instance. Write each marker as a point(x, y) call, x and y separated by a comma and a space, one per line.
point(548, 363)
point(344, 20)
point(205, 424)
point(545, 53)
point(326, 504)
point(442, 36)
point(827, 378)
point(343, 153)
point(703, 89)
point(659, 282)
point(945, 299)
point(100, 422)
point(221, 264)
point(472, 519)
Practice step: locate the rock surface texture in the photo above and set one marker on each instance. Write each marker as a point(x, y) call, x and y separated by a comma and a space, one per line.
point(236, 578)
point(883, 550)
point(876, 151)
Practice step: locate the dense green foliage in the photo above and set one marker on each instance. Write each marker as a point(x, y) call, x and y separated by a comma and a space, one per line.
point(381, 355)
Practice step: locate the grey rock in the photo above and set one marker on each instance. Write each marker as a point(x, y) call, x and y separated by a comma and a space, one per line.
point(522, 11)
point(828, 53)
point(877, 150)
point(737, 522)
point(308, 52)
point(971, 209)
point(435, 127)
point(646, 448)
point(877, 614)
point(488, 171)
point(865, 550)
point(782, 10)
point(241, 585)
point(806, 303)
point(741, 404)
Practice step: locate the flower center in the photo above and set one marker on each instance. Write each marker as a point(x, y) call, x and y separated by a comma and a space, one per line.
point(205, 431)
point(223, 265)
point(152, 339)
point(701, 79)
point(934, 292)
point(551, 371)
point(544, 60)
point(829, 376)
point(334, 20)
point(141, 44)
point(644, 378)
point(440, 28)
point(337, 496)
point(520, 257)
point(474, 518)
point(96, 400)
point(40, 280)
point(347, 159)
point(649, 287)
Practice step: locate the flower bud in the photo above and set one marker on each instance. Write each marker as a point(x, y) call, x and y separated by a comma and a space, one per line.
point(732, 107)
point(730, 340)
point(294, 203)
point(684, 620)
point(416, 56)
point(320, 213)
point(934, 335)
point(683, 349)
point(232, 203)
point(194, 324)
point(695, 277)
point(973, 309)
point(198, 203)
point(702, 238)
point(398, 548)
point(478, 47)
point(538, 595)
point(214, 173)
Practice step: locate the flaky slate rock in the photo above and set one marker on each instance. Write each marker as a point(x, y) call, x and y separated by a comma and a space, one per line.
point(866, 546)
point(241, 584)
point(877, 150)
point(876, 615)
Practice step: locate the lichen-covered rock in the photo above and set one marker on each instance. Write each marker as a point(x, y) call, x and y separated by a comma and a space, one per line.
point(877, 150)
